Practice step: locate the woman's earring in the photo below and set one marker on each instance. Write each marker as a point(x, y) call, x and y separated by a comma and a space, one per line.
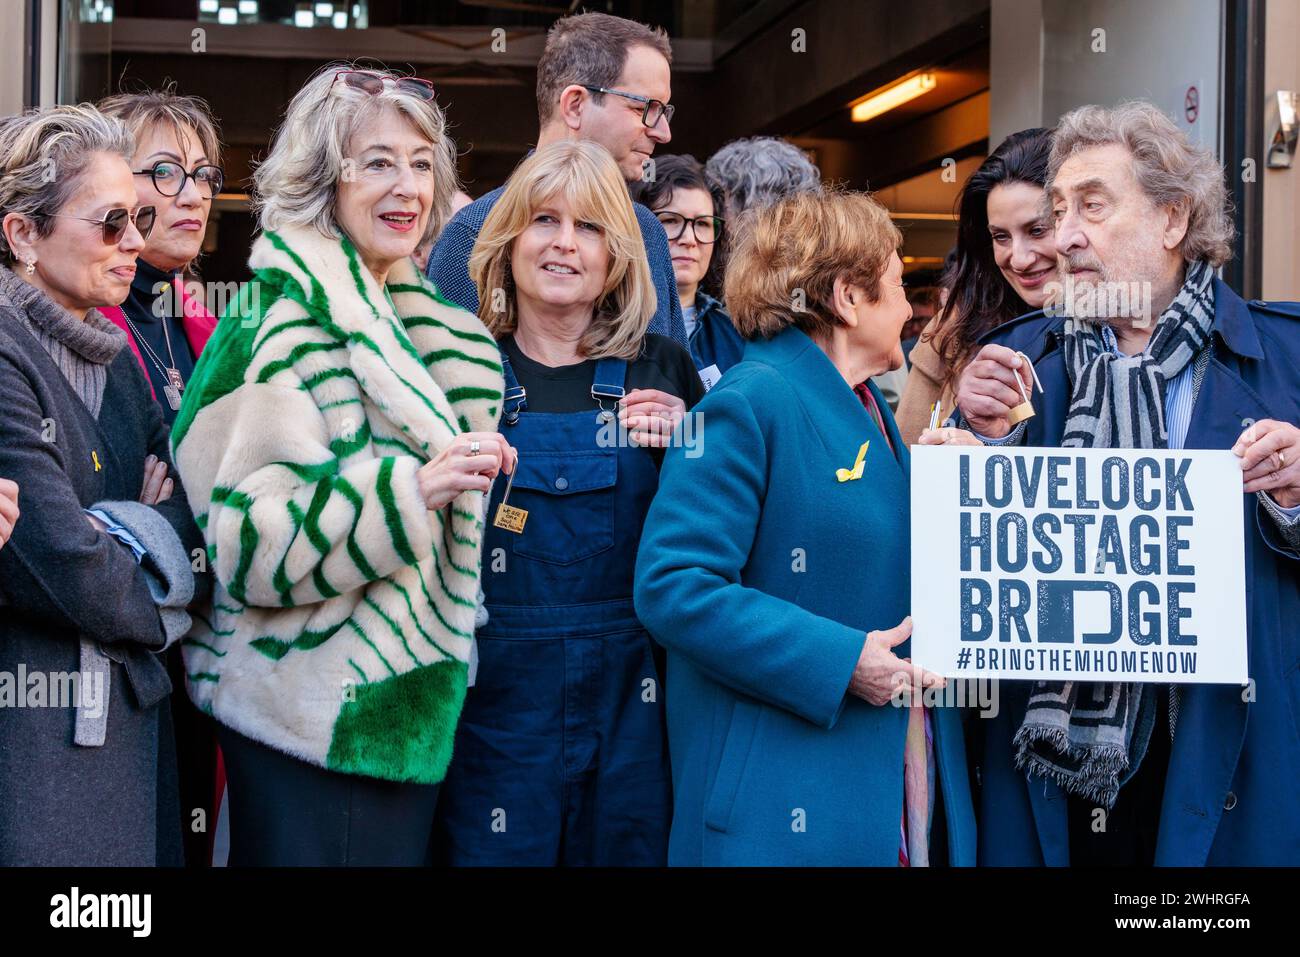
point(31, 267)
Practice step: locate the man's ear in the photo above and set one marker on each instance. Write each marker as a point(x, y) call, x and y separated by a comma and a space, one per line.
point(844, 300)
point(1176, 222)
point(573, 100)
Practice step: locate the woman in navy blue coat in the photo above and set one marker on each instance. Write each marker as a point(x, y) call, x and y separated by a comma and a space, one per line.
point(689, 206)
point(774, 568)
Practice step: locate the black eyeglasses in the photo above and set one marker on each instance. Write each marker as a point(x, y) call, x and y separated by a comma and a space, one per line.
point(654, 109)
point(706, 229)
point(114, 222)
point(373, 83)
point(169, 178)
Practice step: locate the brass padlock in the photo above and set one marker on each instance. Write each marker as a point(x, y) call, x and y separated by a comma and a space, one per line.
point(510, 517)
point(1025, 410)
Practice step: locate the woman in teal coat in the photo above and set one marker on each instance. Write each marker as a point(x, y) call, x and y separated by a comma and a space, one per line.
point(774, 568)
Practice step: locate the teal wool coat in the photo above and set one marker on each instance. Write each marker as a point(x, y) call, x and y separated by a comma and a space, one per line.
point(761, 574)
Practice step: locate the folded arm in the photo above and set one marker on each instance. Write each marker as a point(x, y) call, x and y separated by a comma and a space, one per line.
point(288, 523)
point(58, 568)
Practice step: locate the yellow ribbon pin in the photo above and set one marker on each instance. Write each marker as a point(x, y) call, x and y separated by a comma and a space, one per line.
point(845, 475)
point(95, 456)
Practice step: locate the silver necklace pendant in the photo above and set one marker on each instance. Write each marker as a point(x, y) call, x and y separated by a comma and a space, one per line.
point(173, 395)
point(174, 377)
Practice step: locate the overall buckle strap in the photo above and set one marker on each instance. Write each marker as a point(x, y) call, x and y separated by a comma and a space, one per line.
point(515, 399)
point(608, 382)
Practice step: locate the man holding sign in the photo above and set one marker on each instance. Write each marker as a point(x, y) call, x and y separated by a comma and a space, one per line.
point(1146, 349)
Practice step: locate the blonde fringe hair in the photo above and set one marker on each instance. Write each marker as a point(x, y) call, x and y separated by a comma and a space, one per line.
point(784, 263)
point(585, 175)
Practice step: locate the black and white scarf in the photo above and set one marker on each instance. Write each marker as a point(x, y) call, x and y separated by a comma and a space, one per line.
point(1082, 734)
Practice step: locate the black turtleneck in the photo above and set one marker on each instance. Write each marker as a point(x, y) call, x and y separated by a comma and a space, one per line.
point(146, 290)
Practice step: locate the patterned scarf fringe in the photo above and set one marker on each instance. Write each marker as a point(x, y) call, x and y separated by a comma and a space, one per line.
point(1099, 768)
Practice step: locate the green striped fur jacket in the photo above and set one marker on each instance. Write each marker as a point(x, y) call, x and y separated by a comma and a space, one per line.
point(343, 610)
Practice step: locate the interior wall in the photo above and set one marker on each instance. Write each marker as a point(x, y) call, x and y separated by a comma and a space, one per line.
point(1107, 51)
point(13, 38)
point(1281, 279)
point(1015, 67)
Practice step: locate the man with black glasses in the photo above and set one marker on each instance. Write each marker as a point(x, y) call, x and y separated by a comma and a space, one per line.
point(600, 78)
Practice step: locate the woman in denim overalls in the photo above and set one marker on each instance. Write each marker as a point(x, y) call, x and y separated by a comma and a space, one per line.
point(560, 757)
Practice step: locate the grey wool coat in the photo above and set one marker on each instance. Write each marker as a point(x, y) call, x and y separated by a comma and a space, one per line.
point(61, 581)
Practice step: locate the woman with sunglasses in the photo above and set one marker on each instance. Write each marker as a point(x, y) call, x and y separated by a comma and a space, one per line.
point(338, 437)
point(689, 207)
point(177, 171)
point(96, 578)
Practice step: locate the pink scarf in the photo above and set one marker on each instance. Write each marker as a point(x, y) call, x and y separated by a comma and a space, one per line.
point(197, 322)
point(918, 747)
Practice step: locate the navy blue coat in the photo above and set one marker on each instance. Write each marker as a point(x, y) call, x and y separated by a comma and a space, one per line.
point(1234, 772)
point(761, 574)
point(715, 341)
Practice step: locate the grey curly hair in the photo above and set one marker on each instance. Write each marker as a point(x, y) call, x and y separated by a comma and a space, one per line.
point(1170, 169)
point(759, 170)
point(43, 154)
point(297, 184)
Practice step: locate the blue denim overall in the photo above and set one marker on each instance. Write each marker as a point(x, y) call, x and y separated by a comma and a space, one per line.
point(561, 754)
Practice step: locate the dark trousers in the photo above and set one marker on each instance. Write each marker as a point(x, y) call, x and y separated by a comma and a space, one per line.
point(1128, 838)
point(284, 811)
point(192, 783)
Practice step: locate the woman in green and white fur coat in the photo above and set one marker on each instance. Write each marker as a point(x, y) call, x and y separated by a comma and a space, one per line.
point(337, 439)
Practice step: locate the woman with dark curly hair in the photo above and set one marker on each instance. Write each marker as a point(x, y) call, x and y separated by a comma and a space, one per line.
point(1005, 262)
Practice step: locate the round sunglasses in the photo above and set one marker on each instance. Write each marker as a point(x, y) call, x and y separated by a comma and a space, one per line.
point(373, 83)
point(113, 223)
point(169, 178)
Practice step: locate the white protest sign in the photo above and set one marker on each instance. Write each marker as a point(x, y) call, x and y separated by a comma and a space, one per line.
point(1078, 564)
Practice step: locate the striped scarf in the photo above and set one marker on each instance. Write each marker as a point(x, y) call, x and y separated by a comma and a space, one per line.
point(1086, 735)
point(1118, 402)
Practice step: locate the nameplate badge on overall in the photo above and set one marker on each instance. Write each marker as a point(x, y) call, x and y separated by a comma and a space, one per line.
point(508, 516)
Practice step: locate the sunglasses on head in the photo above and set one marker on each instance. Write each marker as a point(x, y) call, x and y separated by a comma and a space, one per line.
point(373, 83)
point(113, 223)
